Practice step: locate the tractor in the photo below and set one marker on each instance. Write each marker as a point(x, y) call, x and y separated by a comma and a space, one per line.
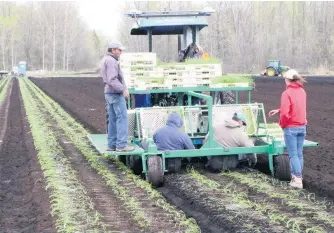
point(275, 68)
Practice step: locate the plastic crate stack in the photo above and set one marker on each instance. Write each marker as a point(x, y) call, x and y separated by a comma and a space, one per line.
point(190, 75)
point(139, 70)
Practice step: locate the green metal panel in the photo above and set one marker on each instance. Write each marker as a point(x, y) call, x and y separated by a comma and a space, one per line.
point(186, 89)
point(100, 142)
point(215, 152)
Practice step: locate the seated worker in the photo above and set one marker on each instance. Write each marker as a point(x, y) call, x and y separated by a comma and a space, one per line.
point(170, 137)
point(230, 134)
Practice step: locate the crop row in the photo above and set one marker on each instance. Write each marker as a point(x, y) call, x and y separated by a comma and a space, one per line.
point(118, 178)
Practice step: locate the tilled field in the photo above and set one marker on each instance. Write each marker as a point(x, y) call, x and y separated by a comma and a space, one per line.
point(24, 202)
point(241, 201)
point(84, 99)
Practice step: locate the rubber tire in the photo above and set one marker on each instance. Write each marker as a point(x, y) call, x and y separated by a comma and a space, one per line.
point(123, 159)
point(174, 165)
point(223, 97)
point(155, 174)
point(282, 169)
point(283, 73)
point(225, 162)
point(135, 165)
point(267, 71)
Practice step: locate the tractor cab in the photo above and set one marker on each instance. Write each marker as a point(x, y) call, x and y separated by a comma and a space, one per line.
point(274, 63)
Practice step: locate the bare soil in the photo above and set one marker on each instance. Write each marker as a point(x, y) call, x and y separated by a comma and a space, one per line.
point(84, 99)
point(24, 202)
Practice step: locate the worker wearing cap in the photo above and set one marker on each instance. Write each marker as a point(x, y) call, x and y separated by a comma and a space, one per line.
point(115, 93)
point(293, 121)
point(231, 134)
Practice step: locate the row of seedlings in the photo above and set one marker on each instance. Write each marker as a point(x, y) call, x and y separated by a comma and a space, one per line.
point(146, 204)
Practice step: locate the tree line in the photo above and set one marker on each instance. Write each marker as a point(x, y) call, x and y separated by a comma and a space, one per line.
point(49, 36)
point(245, 35)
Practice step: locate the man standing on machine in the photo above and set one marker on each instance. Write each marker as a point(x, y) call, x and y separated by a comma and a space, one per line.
point(115, 93)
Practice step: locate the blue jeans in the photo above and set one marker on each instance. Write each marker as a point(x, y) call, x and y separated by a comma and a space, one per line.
point(118, 120)
point(294, 140)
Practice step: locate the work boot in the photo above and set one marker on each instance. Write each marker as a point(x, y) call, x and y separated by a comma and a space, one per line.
point(125, 149)
point(296, 182)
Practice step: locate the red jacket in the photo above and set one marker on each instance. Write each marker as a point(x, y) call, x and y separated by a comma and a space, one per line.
point(293, 106)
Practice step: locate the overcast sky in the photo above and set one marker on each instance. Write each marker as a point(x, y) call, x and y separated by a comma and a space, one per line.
point(103, 16)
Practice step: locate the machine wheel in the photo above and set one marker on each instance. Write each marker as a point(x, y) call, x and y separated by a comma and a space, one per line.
point(283, 73)
point(227, 97)
point(135, 165)
point(174, 165)
point(155, 174)
point(223, 97)
point(282, 170)
point(271, 71)
point(225, 162)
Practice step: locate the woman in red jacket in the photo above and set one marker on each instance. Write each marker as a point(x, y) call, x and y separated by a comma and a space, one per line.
point(293, 122)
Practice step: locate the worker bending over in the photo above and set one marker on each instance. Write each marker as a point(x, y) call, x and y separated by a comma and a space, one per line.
point(230, 134)
point(170, 137)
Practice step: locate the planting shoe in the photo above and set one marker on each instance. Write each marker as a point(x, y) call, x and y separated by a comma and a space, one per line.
point(111, 149)
point(125, 149)
point(252, 160)
point(296, 182)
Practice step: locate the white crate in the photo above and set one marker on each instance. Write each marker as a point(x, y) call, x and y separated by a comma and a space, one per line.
point(204, 74)
point(138, 59)
point(138, 63)
point(143, 74)
point(136, 69)
point(209, 67)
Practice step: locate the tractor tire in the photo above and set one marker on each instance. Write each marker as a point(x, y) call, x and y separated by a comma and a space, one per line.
point(135, 164)
point(223, 97)
point(174, 165)
point(155, 174)
point(271, 71)
point(282, 170)
point(225, 162)
point(227, 97)
point(283, 73)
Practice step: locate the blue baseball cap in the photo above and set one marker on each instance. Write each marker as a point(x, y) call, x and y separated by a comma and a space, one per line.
point(239, 116)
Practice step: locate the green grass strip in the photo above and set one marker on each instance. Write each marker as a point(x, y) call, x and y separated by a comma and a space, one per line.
point(78, 135)
point(73, 209)
point(68, 125)
point(290, 197)
point(290, 222)
point(4, 83)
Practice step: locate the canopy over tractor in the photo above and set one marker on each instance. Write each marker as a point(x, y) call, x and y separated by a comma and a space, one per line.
point(187, 24)
point(275, 68)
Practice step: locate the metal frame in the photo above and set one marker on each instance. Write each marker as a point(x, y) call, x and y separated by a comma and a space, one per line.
point(184, 90)
point(271, 145)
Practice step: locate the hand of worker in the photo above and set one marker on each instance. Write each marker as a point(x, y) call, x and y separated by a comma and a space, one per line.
point(273, 112)
point(126, 93)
